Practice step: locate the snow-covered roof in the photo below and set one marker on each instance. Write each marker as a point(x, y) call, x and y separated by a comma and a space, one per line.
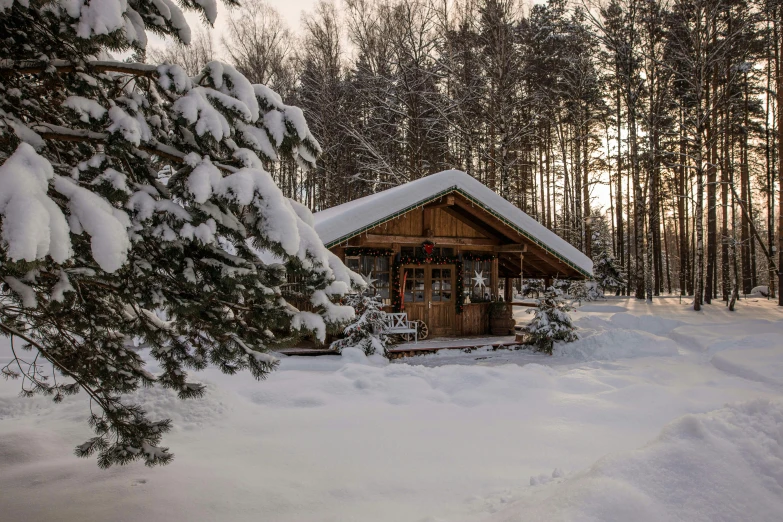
point(340, 223)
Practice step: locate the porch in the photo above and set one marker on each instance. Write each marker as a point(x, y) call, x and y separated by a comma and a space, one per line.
point(408, 349)
point(464, 343)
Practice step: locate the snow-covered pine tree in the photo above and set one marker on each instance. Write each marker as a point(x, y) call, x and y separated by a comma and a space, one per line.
point(605, 270)
point(366, 331)
point(584, 290)
point(551, 322)
point(533, 287)
point(577, 291)
point(133, 203)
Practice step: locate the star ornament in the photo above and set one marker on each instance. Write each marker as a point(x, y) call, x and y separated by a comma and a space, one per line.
point(479, 280)
point(369, 280)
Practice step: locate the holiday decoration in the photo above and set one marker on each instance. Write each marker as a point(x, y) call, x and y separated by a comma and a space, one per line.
point(479, 280)
point(398, 285)
point(369, 280)
point(369, 252)
point(428, 247)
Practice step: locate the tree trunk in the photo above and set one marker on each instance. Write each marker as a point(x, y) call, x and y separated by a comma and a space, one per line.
point(724, 178)
point(682, 214)
point(711, 201)
point(638, 205)
point(586, 202)
point(744, 224)
point(699, 218)
point(619, 193)
point(779, 100)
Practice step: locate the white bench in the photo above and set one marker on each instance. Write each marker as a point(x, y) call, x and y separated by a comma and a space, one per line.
point(399, 324)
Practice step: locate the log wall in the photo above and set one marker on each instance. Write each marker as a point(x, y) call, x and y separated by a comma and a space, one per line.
point(474, 319)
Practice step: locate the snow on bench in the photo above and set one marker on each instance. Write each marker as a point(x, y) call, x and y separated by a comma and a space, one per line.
point(399, 324)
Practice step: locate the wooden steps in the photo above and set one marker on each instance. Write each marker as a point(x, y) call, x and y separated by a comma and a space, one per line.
point(421, 348)
point(465, 344)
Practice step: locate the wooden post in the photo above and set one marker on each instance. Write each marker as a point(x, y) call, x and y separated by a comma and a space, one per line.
point(507, 294)
point(521, 271)
point(494, 279)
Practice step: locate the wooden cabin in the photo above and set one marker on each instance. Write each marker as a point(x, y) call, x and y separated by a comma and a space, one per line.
point(444, 247)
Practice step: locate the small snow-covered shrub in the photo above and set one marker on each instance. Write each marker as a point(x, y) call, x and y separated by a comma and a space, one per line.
point(533, 287)
point(577, 291)
point(584, 291)
point(551, 322)
point(367, 331)
point(607, 274)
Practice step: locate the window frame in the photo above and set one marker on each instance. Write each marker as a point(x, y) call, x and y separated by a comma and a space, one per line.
point(377, 262)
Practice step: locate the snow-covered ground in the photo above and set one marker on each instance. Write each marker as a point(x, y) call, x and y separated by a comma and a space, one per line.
point(631, 422)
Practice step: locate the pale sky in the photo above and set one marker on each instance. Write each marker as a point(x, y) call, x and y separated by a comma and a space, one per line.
point(290, 10)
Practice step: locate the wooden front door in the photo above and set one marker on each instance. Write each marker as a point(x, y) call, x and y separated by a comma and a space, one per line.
point(429, 296)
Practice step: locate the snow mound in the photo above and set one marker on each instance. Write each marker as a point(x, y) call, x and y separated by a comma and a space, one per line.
point(763, 291)
point(161, 403)
point(24, 446)
point(12, 407)
point(354, 355)
point(755, 357)
point(614, 344)
point(764, 365)
point(601, 308)
point(647, 323)
point(725, 465)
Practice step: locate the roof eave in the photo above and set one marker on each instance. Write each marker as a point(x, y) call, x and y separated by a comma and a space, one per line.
point(473, 200)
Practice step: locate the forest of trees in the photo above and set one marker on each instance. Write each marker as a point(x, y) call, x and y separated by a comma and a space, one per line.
point(661, 117)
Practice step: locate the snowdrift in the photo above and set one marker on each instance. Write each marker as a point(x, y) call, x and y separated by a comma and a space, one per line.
point(754, 357)
point(609, 345)
point(726, 465)
point(620, 336)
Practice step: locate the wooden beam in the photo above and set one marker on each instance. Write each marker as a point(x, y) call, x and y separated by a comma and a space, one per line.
point(426, 222)
point(509, 265)
point(487, 219)
point(519, 247)
point(532, 266)
point(448, 201)
point(438, 240)
point(472, 222)
point(559, 268)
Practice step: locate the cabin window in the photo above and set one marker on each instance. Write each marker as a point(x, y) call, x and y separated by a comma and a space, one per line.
point(441, 284)
point(472, 286)
point(413, 283)
point(375, 271)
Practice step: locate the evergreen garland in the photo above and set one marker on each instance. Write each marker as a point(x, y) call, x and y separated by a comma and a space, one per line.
point(369, 252)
